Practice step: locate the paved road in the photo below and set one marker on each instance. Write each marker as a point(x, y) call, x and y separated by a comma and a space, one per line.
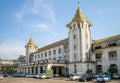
point(53, 80)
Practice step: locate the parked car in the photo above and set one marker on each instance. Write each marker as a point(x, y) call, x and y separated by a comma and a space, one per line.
point(1, 78)
point(94, 77)
point(5, 75)
point(36, 76)
point(20, 75)
point(43, 76)
point(56, 75)
point(28, 76)
point(103, 78)
point(85, 78)
point(74, 77)
point(116, 76)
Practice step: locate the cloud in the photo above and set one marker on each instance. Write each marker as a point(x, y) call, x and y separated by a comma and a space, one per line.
point(36, 8)
point(11, 48)
point(19, 17)
point(41, 26)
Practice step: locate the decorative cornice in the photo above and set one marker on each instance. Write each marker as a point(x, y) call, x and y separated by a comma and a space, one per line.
point(105, 40)
point(61, 42)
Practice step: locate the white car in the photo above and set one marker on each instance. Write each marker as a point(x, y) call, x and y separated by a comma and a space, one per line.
point(27, 76)
point(74, 77)
point(43, 76)
point(116, 75)
point(36, 76)
point(1, 78)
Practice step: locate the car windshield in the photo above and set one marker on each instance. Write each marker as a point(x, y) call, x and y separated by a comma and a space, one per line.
point(105, 76)
point(100, 76)
point(82, 77)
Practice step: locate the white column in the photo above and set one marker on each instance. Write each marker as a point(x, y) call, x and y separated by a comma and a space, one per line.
point(63, 71)
point(34, 70)
point(38, 69)
point(43, 69)
point(57, 70)
point(30, 70)
point(24, 69)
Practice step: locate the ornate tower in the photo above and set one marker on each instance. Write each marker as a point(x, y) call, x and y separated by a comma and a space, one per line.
point(79, 37)
point(30, 48)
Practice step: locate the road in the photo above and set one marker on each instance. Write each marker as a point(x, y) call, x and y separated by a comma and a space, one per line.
point(52, 80)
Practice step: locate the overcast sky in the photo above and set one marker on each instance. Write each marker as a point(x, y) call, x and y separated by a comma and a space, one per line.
point(46, 20)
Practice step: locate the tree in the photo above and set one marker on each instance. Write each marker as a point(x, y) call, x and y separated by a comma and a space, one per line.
point(89, 71)
point(112, 70)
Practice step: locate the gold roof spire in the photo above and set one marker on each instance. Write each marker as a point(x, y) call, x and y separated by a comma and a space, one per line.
point(78, 3)
point(31, 42)
point(79, 16)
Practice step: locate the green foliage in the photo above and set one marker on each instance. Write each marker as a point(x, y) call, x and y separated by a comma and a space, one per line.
point(49, 73)
point(112, 70)
point(8, 69)
point(89, 71)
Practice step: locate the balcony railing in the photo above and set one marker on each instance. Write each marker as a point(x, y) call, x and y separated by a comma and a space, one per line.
point(44, 62)
point(112, 59)
point(99, 60)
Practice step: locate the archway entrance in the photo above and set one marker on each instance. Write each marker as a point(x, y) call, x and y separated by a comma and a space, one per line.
point(58, 70)
point(113, 68)
point(99, 69)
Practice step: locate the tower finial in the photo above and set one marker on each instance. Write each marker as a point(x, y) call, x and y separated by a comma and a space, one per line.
point(78, 3)
point(31, 34)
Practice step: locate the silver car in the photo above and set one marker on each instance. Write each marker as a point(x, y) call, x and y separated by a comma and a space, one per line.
point(1, 78)
point(74, 77)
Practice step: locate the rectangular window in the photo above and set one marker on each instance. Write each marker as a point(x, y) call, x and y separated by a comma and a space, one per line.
point(98, 47)
point(54, 58)
point(78, 25)
point(112, 55)
point(59, 58)
point(75, 56)
point(75, 68)
point(41, 54)
point(98, 56)
point(54, 52)
point(74, 47)
point(38, 56)
point(45, 54)
point(74, 36)
point(112, 44)
point(59, 50)
point(49, 53)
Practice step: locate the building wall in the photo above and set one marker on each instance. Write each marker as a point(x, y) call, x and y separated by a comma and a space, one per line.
point(105, 62)
point(42, 54)
point(81, 68)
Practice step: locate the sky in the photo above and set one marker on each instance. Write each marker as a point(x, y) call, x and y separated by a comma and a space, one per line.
point(46, 21)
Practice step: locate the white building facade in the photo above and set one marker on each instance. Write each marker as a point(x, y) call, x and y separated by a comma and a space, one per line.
point(75, 54)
